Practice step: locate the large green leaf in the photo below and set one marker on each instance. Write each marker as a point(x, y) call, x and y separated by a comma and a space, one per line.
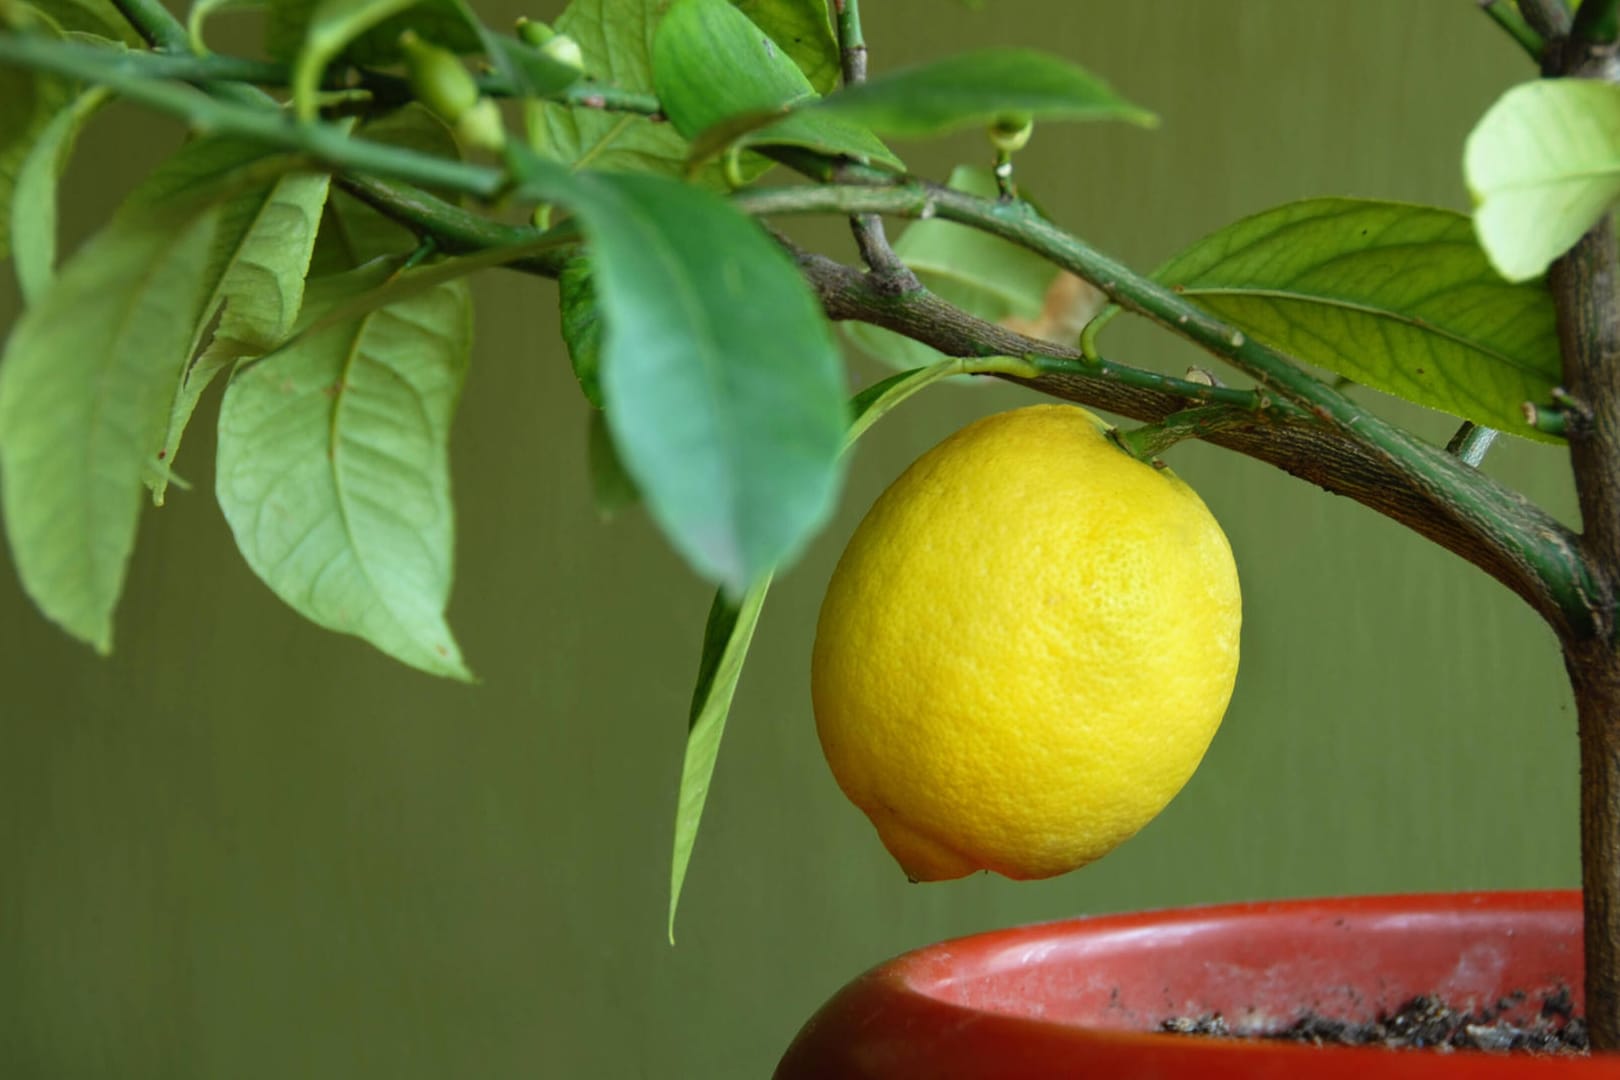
point(84, 393)
point(261, 253)
point(333, 468)
point(1396, 297)
point(979, 88)
point(802, 29)
point(983, 275)
point(1544, 166)
point(700, 37)
point(33, 199)
point(728, 633)
point(720, 379)
point(443, 22)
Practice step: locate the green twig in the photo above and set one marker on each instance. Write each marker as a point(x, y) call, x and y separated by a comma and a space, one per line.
point(1507, 16)
point(1471, 442)
point(153, 22)
point(889, 273)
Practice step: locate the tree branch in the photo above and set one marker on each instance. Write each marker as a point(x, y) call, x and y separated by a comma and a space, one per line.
point(892, 275)
point(1340, 446)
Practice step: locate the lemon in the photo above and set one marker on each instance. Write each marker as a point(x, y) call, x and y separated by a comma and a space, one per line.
point(1026, 648)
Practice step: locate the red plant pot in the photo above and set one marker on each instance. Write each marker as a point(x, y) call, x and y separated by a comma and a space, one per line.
point(1085, 997)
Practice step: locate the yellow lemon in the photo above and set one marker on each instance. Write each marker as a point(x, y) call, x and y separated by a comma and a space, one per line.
point(1026, 648)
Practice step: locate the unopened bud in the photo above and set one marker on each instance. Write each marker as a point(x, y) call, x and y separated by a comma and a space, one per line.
point(438, 78)
point(1010, 134)
point(559, 47)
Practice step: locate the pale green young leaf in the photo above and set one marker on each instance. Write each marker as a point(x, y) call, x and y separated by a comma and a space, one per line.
point(721, 383)
point(84, 389)
point(726, 637)
point(612, 489)
point(803, 30)
point(698, 38)
point(979, 88)
point(261, 286)
point(1396, 297)
point(33, 198)
point(582, 327)
point(30, 102)
point(333, 26)
point(333, 468)
point(1543, 164)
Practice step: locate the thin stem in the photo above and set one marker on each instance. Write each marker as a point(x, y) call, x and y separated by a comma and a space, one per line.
point(891, 275)
point(851, 42)
point(1507, 16)
point(324, 143)
point(153, 22)
point(1471, 442)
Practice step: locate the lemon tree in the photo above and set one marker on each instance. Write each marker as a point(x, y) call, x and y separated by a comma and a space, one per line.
point(989, 705)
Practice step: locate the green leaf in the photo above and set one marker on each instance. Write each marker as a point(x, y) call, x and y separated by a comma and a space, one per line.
point(612, 489)
point(333, 468)
point(730, 630)
point(698, 38)
point(261, 254)
point(615, 37)
point(32, 101)
point(443, 22)
point(983, 275)
point(582, 327)
point(802, 29)
point(84, 388)
point(33, 198)
point(979, 88)
point(1544, 166)
point(531, 72)
point(98, 18)
point(333, 26)
point(1396, 297)
point(726, 637)
point(720, 379)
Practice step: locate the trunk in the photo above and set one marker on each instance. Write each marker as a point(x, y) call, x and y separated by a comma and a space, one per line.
point(1594, 670)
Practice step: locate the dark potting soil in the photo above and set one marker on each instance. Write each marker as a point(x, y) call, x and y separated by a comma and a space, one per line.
point(1427, 1022)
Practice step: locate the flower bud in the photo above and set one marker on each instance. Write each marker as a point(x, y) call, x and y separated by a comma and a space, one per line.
point(1010, 134)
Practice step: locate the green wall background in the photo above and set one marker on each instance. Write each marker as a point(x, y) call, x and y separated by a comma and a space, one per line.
point(246, 848)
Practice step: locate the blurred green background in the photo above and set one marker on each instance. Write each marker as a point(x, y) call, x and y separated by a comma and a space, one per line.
point(243, 847)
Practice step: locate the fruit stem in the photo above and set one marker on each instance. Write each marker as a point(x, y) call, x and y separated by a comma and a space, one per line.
point(1148, 441)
